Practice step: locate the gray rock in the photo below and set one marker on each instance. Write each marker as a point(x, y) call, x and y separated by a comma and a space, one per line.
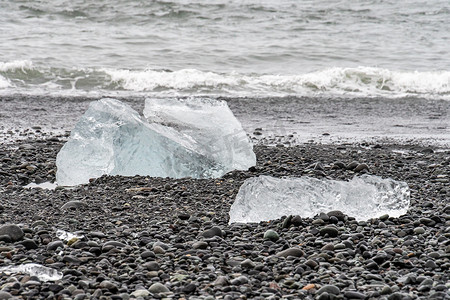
point(13, 231)
point(212, 232)
point(352, 165)
point(29, 244)
point(55, 245)
point(158, 250)
point(200, 245)
point(72, 205)
point(158, 288)
point(106, 284)
point(221, 281)
point(271, 235)
point(430, 264)
point(419, 230)
point(5, 295)
point(189, 288)
point(291, 252)
point(140, 293)
point(248, 264)
point(354, 295)
point(330, 230)
point(151, 266)
point(330, 289)
point(114, 244)
point(361, 167)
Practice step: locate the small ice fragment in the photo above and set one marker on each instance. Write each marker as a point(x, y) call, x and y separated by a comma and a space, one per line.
point(267, 198)
point(67, 236)
point(44, 185)
point(112, 138)
point(41, 272)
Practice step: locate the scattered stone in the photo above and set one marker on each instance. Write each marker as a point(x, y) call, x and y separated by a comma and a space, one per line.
point(140, 293)
point(158, 288)
point(271, 235)
point(73, 205)
point(331, 231)
point(296, 252)
point(330, 289)
point(214, 231)
point(13, 231)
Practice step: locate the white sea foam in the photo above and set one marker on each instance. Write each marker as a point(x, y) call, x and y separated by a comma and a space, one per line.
point(361, 81)
point(4, 83)
point(16, 65)
point(24, 77)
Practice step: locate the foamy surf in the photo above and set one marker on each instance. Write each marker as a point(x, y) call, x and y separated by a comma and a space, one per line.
point(24, 77)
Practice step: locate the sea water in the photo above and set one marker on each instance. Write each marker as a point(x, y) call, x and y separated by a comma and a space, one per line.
point(226, 48)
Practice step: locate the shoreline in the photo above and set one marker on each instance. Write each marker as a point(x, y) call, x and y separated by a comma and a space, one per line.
point(158, 237)
point(268, 121)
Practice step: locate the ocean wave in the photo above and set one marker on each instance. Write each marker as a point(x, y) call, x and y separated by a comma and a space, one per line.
point(4, 83)
point(23, 76)
point(16, 65)
point(361, 81)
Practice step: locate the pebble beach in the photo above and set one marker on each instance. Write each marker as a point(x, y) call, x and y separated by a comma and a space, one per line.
point(160, 238)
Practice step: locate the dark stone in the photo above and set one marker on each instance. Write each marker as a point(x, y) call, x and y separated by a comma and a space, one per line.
point(55, 245)
point(296, 220)
point(151, 266)
point(214, 231)
point(291, 252)
point(331, 231)
point(189, 289)
point(29, 244)
point(354, 295)
point(73, 205)
point(13, 231)
point(330, 289)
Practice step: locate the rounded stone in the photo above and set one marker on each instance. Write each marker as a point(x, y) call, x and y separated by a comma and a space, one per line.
point(106, 284)
point(361, 167)
point(331, 231)
point(189, 288)
point(13, 231)
point(212, 232)
point(248, 264)
point(151, 266)
point(271, 235)
point(200, 245)
point(157, 288)
point(330, 289)
point(29, 244)
point(140, 293)
point(72, 205)
point(55, 245)
point(419, 230)
point(5, 295)
point(296, 252)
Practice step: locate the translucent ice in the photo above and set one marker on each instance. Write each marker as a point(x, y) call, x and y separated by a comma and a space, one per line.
point(112, 138)
point(266, 198)
point(67, 236)
point(210, 124)
point(41, 272)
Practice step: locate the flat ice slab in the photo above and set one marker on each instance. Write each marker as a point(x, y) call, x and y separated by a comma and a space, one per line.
point(267, 198)
point(111, 138)
point(41, 272)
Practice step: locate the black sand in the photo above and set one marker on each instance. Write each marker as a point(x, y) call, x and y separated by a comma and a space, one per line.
point(141, 231)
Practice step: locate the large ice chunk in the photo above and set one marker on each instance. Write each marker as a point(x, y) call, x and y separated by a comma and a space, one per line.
point(218, 135)
point(267, 198)
point(112, 138)
point(41, 272)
